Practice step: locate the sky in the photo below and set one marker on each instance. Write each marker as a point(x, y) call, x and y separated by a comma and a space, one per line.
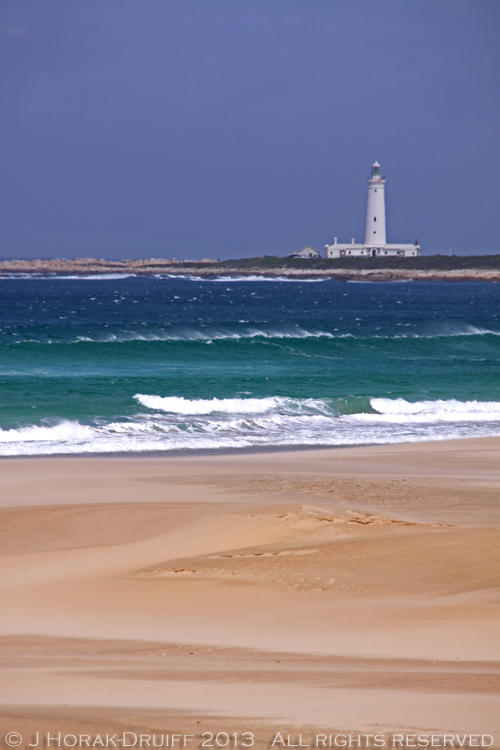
point(240, 128)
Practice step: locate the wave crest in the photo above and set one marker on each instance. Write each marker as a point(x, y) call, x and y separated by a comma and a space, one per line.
point(235, 406)
point(450, 410)
point(65, 431)
point(179, 423)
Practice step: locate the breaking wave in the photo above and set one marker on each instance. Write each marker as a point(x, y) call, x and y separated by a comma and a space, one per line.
point(216, 335)
point(70, 277)
point(182, 424)
point(452, 332)
point(244, 333)
point(180, 405)
point(266, 278)
point(450, 410)
point(188, 335)
point(63, 432)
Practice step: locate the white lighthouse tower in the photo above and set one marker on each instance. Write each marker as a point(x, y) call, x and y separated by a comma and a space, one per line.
point(375, 243)
point(375, 209)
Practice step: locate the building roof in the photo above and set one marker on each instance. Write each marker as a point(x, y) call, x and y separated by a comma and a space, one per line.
point(307, 249)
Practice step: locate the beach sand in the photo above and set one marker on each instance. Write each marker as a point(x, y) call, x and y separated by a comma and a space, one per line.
point(316, 592)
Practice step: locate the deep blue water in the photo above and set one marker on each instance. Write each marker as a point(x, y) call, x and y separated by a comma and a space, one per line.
point(132, 364)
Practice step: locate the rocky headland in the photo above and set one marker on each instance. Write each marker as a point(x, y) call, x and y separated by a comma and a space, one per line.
point(427, 268)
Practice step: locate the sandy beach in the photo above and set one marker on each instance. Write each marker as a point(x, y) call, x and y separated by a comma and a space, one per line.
point(321, 591)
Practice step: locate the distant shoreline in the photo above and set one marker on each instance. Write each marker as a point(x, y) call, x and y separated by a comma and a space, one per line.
point(423, 268)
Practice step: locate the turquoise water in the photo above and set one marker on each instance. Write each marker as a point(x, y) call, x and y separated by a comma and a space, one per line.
point(139, 364)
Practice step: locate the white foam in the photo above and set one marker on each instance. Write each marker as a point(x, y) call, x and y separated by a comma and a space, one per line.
point(184, 424)
point(216, 335)
point(15, 276)
point(402, 411)
point(189, 334)
point(186, 276)
point(63, 432)
point(265, 278)
point(246, 333)
point(98, 277)
point(180, 405)
point(71, 277)
point(452, 332)
point(180, 432)
point(469, 330)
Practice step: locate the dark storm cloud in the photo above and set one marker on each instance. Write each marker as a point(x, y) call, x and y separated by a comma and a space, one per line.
point(222, 129)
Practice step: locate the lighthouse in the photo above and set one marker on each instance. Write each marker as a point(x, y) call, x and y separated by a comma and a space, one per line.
point(375, 243)
point(375, 209)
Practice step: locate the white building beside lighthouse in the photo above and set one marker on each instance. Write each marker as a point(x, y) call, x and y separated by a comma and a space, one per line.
point(375, 244)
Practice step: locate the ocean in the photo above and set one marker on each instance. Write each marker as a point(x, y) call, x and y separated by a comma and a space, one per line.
point(126, 364)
